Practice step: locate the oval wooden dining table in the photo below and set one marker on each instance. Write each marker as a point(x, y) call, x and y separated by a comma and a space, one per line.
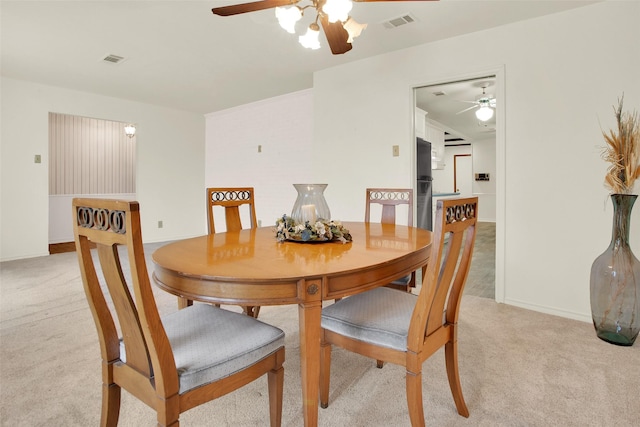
point(250, 267)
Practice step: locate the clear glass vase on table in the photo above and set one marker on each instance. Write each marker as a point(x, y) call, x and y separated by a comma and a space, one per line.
point(310, 205)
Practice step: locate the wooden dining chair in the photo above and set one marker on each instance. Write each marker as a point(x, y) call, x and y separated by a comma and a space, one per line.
point(389, 199)
point(403, 328)
point(230, 199)
point(176, 362)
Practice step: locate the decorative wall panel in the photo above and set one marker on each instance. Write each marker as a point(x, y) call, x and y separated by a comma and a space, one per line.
point(90, 156)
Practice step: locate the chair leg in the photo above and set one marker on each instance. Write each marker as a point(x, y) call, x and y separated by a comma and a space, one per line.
point(110, 405)
point(184, 303)
point(325, 373)
point(379, 364)
point(168, 411)
point(414, 398)
point(251, 310)
point(275, 377)
point(451, 359)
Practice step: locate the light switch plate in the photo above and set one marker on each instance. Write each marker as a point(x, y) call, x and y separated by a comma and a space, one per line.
point(37, 158)
point(396, 150)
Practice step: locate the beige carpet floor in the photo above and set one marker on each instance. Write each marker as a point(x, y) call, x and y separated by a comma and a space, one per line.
point(518, 367)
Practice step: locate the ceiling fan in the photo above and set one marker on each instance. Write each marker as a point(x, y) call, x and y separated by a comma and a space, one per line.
point(339, 28)
point(485, 104)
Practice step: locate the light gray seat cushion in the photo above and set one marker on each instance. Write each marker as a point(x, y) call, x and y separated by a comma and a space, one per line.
point(403, 281)
point(210, 343)
point(380, 316)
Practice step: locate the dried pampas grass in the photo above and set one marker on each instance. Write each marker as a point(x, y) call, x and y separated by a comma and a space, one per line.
point(622, 152)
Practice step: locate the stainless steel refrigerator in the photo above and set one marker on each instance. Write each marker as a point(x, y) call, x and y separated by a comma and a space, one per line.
point(424, 191)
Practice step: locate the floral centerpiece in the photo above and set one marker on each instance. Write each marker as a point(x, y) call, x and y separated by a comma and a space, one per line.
point(319, 231)
point(615, 274)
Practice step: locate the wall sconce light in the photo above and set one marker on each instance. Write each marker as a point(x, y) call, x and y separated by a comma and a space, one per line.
point(130, 130)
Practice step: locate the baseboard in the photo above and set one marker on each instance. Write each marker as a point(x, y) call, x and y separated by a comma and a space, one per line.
point(550, 310)
point(59, 248)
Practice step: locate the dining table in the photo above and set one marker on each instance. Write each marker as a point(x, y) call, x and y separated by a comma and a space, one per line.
point(251, 267)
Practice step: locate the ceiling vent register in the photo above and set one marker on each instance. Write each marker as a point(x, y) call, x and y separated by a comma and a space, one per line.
point(113, 59)
point(399, 21)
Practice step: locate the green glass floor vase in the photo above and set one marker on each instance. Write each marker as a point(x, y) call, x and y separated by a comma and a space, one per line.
point(615, 281)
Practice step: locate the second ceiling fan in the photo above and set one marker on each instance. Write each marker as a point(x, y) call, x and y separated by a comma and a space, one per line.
point(485, 104)
point(339, 28)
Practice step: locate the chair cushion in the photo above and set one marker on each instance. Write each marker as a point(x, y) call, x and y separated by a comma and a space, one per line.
point(210, 343)
point(380, 316)
point(403, 281)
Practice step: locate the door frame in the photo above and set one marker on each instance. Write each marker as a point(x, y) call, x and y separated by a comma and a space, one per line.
point(499, 72)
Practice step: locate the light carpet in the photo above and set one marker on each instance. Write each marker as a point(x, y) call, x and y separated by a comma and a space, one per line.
point(518, 367)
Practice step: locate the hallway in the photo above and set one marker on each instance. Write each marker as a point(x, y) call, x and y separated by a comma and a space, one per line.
point(482, 274)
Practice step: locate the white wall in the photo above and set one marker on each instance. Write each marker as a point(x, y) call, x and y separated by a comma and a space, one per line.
point(560, 75)
point(283, 127)
point(484, 161)
point(170, 164)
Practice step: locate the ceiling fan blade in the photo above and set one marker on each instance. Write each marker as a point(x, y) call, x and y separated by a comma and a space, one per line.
point(236, 9)
point(467, 109)
point(336, 36)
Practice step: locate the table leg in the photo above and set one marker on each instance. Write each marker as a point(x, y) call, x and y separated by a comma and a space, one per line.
point(309, 313)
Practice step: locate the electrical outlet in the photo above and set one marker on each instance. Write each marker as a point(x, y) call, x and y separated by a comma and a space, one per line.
point(259, 223)
point(37, 158)
point(396, 150)
point(160, 224)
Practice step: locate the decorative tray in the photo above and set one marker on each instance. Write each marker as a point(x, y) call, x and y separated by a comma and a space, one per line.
point(310, 241)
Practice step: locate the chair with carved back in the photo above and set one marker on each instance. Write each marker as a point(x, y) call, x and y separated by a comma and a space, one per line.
point(406, 329)
point(229, 201)
point(389, 199)
point(171, 363)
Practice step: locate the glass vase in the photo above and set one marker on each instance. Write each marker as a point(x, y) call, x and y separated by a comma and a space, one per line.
point(310, 204)
point(615, 281)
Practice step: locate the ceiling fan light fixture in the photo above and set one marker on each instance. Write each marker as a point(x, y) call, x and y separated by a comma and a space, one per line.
point(484, 113)
point(353, 28)
point(310, 40)
point(288, 17)
point(337, 10)
point(331, 14)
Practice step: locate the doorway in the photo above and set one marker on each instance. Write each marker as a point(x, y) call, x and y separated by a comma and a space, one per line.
point(451, 106)
point(87, 158)
point(462, 174)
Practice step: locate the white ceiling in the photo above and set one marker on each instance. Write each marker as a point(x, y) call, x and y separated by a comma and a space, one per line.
point(178, 54)
point(445, 105)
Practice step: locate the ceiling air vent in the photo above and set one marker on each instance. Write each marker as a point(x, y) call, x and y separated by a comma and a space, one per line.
point(407, 18)
point(113, 59)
